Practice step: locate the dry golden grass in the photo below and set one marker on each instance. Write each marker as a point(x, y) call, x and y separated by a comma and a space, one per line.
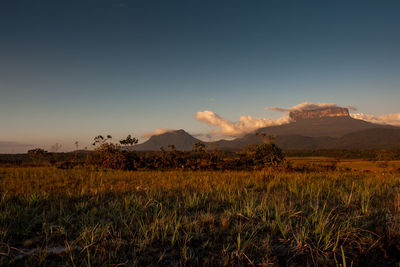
point(103, 217)
point(353, 164)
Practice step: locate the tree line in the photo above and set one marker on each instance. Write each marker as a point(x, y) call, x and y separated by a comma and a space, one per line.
point(108, 154)
point(121, 155)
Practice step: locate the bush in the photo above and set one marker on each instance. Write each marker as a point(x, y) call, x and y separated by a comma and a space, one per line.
point(269, 155)
point(109, 155)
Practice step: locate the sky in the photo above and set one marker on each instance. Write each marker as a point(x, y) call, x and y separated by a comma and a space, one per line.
point(71, 70)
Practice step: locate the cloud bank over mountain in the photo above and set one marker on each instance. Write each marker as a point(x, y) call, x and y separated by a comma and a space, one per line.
point(308, 106)
point(247, 124)
point(391, 119)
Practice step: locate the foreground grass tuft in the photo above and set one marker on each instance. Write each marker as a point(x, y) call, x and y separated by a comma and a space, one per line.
point(96, 218)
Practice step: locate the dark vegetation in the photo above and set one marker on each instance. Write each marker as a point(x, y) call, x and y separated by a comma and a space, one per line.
point(108, 154)
point(366, 154)
point(171, 158)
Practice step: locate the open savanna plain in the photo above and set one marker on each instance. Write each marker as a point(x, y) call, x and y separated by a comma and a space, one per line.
point(91, 217)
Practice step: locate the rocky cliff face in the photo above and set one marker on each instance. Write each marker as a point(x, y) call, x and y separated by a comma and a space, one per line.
point(319, 113)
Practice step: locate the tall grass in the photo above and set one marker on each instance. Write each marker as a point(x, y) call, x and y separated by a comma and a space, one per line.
point(101, 218)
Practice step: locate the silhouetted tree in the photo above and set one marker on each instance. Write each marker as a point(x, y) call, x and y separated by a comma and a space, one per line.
point(129, 141)
point(55, 147)
point(199, 147)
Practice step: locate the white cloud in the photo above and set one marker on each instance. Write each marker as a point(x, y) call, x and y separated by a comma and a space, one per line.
point(391, 119)
point(156, 132)
point(246, 124)
point(307, 106)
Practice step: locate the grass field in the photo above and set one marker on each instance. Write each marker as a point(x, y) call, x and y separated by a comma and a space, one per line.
point(349, 164)
point(86, 217)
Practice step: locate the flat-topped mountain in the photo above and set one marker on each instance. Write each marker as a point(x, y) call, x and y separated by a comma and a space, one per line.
point(322, 122)
point(330, 127)
point(180, 139)
point(328, 112)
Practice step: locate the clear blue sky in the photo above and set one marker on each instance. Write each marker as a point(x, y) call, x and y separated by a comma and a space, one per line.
point(70, 70)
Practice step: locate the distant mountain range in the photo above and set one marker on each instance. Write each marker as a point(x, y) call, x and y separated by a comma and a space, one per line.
point(327, 128)
point(14, 147)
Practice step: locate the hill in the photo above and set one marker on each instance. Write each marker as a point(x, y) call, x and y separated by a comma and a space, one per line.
point(378, 138)
point(325, 126)
point(375, 138)
point(180, 139)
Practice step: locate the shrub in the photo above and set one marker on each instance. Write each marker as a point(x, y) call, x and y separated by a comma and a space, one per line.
point(269, 155)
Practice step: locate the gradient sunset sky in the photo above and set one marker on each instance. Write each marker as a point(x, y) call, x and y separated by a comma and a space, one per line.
point(70, 70)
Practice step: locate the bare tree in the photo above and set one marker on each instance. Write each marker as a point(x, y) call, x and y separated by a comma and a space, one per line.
point(56, 147)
